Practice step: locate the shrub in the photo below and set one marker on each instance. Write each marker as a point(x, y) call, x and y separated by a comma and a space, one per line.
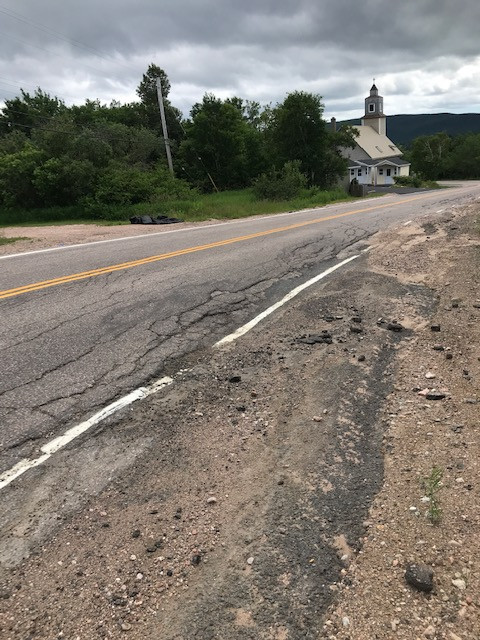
point(16, 177)
point(280, 185)
point(408, 181)
point(61, 181)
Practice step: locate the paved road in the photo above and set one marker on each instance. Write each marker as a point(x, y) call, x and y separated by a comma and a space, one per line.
point(71, 343)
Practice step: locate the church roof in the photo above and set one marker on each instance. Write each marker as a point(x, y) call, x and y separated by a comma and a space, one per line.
point(374, 144)
point(371, 162)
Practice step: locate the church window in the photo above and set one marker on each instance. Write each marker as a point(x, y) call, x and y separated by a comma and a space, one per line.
point(371, 107)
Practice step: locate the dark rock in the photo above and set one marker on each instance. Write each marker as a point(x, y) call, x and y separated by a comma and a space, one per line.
point(151, 549)
point(158, 544)
point(438, 347)
point(465, 372)
point(419, 576)
point(395, 326)
point(356, 319)
point(448, 356)
point(241, 408)
point(455, 304)
point(476, 306)
point(435, 327)
point(329, 318)
point(323, 338)
point(196, 560)
point(136, 533)
point(235, 379)
point(119, 601)
point(153, 512)
point(169, 573)
point(435, 395)
point(361, 358)
point(355, 329)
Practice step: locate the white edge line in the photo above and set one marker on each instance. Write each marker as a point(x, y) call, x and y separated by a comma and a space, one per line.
point(199, 228)
point(61, 441)
point(249, 325)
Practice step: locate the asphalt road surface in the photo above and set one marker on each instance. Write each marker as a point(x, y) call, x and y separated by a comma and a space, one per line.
point(85, 325)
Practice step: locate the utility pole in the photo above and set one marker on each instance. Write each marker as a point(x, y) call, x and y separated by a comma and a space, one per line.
point(164, 125)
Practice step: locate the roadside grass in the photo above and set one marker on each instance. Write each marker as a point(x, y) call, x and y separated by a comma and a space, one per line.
point(223, 205)
point(4, 241)
point(432, 485)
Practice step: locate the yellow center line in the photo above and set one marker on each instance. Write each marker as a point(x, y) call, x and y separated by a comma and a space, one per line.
point(36, 286)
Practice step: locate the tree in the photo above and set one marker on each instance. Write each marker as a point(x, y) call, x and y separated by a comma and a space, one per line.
point(221, 143)
point(147, 92)
point(298, 132)
point(27, 112)
point(17, 175)
point(429, 155)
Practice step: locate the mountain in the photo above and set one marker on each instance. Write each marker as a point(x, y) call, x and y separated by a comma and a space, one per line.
point(402, 129)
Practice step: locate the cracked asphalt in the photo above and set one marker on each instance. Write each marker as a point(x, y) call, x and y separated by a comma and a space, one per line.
point(71, 349)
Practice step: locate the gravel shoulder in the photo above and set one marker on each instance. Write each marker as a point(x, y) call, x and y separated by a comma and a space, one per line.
point(278, 494)
point(50, 236)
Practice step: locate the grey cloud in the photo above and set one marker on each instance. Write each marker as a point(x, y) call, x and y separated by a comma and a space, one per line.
point(259, 49)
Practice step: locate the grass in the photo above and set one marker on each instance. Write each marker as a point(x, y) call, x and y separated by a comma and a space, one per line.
point(433, 484)
point(11, 240)
point(223, 205)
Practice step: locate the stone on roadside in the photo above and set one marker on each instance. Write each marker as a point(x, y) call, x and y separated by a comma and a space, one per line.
point(419, 576)
point(211, 500)
point(395, 326)
point(435, 395)
point(460, 584)
point(435, 328)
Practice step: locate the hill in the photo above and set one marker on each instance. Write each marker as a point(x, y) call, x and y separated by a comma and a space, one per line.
point(404, 128)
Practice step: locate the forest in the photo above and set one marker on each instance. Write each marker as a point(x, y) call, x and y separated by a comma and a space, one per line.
point(98, 161)
point(103, 161)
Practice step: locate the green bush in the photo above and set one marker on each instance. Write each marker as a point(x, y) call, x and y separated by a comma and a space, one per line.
point(17, 177)
point(408, 181)
point(61, 181)
point(280, 185)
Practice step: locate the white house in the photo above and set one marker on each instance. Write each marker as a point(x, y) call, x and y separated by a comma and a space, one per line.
point(375, 160)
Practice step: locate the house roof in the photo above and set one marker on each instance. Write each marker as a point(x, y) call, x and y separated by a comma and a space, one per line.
point(375, 144)
point(375, 162)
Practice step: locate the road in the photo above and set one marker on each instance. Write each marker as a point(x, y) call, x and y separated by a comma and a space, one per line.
point(73, 340)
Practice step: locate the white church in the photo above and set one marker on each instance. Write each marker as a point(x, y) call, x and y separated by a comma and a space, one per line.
point(375, 160)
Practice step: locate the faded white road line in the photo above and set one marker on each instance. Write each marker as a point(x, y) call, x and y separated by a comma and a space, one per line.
point(141, 393)
point(249, 325)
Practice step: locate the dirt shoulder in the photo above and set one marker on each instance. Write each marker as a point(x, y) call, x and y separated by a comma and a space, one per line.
point(278, 494)
point(51, 236)
point(421, 435)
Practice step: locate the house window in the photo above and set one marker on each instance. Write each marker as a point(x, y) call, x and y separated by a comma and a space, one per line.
point(380, 171)
point(389, 172)
point(359, 172)
point(371, 108)
point(352, 172)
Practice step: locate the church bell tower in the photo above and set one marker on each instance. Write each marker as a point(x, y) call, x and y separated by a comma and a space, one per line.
point(374, 116)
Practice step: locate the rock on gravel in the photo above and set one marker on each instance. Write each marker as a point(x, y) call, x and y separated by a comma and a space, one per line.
point(419, 576)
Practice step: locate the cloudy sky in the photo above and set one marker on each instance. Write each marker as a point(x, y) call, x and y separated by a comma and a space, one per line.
point(424, 54)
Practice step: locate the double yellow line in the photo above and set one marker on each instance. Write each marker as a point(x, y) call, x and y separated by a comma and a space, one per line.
point(37, 286)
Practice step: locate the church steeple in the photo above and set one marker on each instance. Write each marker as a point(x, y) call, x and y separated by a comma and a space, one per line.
point(374, 116)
